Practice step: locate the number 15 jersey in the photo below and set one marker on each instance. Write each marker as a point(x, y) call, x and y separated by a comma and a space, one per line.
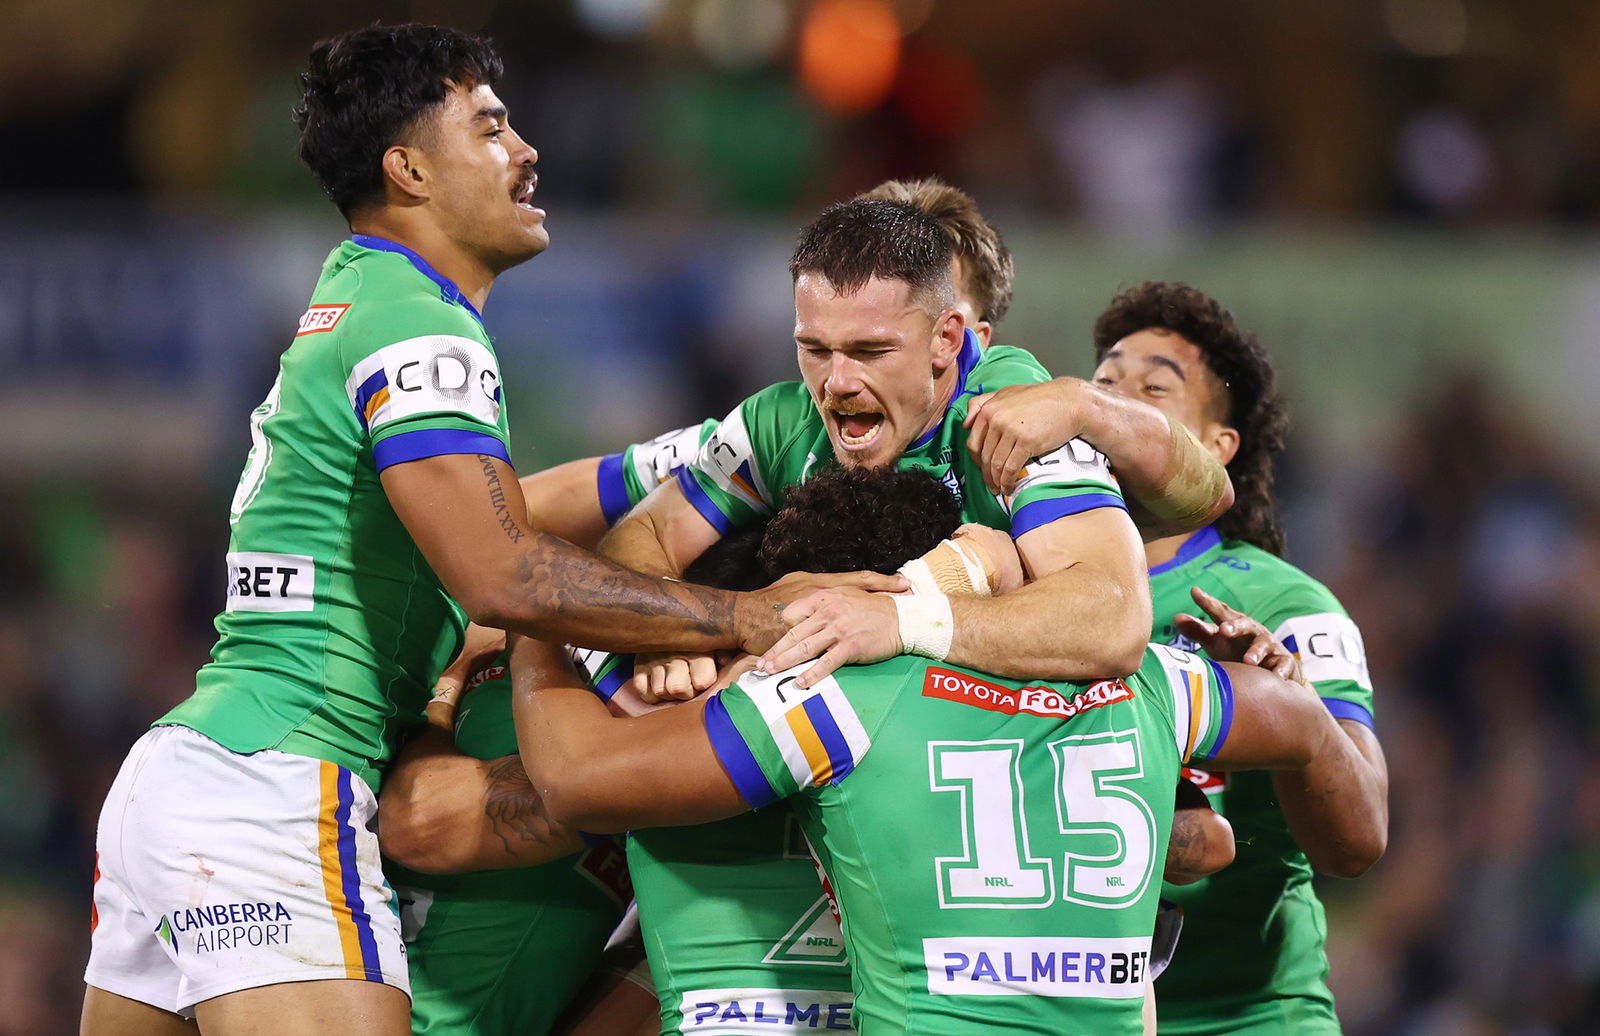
point(994, 846)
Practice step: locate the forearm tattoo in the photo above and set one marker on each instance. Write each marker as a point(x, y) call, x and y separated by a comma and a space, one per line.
point(515, 808)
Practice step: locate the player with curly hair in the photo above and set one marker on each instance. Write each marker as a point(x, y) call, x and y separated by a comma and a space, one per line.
point(1252, 960)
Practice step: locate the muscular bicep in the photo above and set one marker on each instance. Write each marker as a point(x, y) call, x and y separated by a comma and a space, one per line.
point(1104, 538)
point(1367, 744)
point(466, 514)
point(565, 501)
point(663, 535)
point(1275, 725)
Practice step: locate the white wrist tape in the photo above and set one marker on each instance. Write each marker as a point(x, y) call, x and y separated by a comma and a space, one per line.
point(949, 568)
point(926, 625)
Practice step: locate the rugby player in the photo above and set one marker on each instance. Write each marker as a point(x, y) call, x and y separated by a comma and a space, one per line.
point(1253, 958)
point(238, 880)
point(888, 368)
point(993, 854)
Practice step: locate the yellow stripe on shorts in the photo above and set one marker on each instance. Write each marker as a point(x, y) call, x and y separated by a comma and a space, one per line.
point(333, 871)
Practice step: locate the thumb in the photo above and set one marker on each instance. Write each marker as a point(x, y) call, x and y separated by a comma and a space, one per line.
point(977, 404)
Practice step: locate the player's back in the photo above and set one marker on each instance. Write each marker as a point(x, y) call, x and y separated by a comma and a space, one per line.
point(334, 625)
point(996, 854)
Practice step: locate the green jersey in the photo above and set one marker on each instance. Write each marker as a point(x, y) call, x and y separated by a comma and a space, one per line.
point(335, 627)
point(775, 438)
point(500, 953)
point(989, 819)
point(626, 478)
point(740, 937)
point(1252, 959)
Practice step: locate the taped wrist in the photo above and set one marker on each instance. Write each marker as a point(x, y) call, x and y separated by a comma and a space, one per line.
point(1193, 483)
point(926, 625)
point(949, 568)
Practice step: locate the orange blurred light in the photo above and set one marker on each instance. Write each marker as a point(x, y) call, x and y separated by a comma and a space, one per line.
point(849, 53)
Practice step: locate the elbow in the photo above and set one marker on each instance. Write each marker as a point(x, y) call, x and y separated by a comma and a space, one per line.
point(1122, 652)
point(1353, 857)
point(409, 836)
point(1224, 502)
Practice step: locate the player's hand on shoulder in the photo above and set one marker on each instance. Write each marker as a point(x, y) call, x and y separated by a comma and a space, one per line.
point(1007, 428)
point(836, 627)
point(1233, 636)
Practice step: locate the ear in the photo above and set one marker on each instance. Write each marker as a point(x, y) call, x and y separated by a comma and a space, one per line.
point(985, 331)
point(949, 331)
point(1222, 441)
point(405, 171)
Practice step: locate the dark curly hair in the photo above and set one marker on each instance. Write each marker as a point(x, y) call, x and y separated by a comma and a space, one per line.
point(847, 519)
point(853, 241)
point(365, 89)
point(1255, 408)
point(733, 562)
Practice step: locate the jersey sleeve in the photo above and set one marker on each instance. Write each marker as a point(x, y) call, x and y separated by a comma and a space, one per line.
point(776, 740)
point(626, 478)
point(1066, 481)
point(604, 671)
point(735, 478)
point(1202, 702)
point(1333, 658)
point(424, 395)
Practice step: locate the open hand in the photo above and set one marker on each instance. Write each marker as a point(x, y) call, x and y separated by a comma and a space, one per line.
point(1233, 636)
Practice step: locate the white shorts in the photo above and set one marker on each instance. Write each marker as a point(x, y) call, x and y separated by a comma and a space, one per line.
point(216, 872)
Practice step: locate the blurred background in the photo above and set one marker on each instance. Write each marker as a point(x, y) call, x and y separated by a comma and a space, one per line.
point(1402, 197)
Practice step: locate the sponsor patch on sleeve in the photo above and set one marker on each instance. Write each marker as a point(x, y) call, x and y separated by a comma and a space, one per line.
point(729, 460)
point(815, 729)
point(432, 374)
point(320, 318)
point(1328, 646)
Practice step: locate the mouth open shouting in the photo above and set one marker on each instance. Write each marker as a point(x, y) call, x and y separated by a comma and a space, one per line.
point(858, 430)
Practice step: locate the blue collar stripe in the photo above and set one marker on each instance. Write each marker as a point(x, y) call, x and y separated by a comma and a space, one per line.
point(447, 287)
point(1192, 548)
point(966, 359)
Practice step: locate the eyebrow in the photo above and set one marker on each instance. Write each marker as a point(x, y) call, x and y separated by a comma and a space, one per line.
point(854, 343)
point(494, 113)
point(1160, 361)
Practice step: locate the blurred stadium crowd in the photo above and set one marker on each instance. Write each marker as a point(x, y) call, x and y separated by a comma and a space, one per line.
point(1463, 535)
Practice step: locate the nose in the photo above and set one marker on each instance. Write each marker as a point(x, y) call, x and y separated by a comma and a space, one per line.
point(844, 376)
point(522, 153)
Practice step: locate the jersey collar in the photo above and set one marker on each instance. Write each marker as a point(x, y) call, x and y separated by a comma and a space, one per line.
point(447, 287)
point(1192, 548)
point(966, 359)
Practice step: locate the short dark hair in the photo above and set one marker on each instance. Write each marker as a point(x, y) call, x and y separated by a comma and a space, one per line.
point(985, 259)
point(853, 241)
point(364, 90)
point(1255, 408)
point(849, 519)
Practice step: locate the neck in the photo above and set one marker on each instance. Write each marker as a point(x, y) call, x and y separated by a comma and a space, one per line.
point(445, 255)
point(1157, 552)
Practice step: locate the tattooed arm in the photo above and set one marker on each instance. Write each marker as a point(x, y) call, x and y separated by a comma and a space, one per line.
point(467, 516)
point(1202, 839)
point(445, 812)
